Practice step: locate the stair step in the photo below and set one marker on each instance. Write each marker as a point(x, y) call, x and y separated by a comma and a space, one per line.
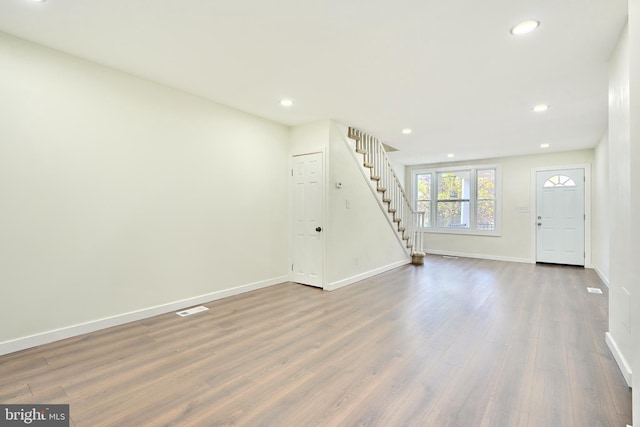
point(375, 173)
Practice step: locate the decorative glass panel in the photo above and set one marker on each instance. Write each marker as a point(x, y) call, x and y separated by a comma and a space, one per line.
point(560, 181)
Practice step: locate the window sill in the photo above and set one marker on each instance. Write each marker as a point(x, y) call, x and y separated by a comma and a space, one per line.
point(491, 233)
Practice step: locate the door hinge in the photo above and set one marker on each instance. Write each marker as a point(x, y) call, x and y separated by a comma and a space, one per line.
point(291, 267)
point(291, 172)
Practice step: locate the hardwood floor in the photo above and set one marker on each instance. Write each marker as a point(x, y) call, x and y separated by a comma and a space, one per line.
point(456, 342)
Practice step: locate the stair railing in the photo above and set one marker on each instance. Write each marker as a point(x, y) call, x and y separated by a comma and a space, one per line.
point(408, 222)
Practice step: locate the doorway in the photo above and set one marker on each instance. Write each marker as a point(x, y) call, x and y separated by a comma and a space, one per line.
point(560, 216)
point(307, 180)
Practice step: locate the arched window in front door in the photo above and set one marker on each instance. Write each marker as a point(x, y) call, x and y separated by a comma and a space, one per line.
point(559, 181)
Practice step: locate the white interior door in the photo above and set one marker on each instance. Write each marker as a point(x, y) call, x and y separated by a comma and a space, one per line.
point(560, 216)
point(308, 224)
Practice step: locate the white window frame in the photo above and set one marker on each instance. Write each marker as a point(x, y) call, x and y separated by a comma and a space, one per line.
point(473, 199)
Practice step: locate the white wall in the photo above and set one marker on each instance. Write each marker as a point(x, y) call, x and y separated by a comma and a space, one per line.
point(398, 169)
point(359, 242)
point(601, 208)
point(624, 166)
point(119, 195)
point(634, 121)
point(621, 256)
point(514, 244)
point(308, 138)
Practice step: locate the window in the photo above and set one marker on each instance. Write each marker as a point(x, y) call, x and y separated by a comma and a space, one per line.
point(459, 200)
point(453, 201)
point(559, 181)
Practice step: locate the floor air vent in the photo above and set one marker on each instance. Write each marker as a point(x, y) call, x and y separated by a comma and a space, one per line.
point(190, 311)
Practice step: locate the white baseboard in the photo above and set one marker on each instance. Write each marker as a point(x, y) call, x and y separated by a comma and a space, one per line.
point(620, 359)
point(479, 256)
point(18, 344)
point(358, 277)
point(604, 278)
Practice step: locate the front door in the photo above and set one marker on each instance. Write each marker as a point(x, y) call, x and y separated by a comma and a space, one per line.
point(307, 181)
point(560, 216)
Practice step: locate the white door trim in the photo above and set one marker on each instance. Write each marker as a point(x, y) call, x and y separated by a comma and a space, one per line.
point(325, 166)
point(587, 208)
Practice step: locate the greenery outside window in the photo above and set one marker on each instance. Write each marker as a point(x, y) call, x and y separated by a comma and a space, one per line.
point(459, 200)
point(423, 199)
point(486, 199)
point(453, 201)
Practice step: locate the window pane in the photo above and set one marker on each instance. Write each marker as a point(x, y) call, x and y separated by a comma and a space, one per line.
point(453, 214)
point(424, 187)
point(485, 208)
point(486, 216)
point(426, 208)
point(486, 184)
point(423, 202)
point(453, 185)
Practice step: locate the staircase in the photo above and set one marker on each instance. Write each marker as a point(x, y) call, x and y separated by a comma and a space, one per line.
point(405, 221)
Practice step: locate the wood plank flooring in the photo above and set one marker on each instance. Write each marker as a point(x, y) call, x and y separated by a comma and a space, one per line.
point(456, 342)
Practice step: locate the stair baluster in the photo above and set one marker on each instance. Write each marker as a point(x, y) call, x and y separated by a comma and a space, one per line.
point(408, 223)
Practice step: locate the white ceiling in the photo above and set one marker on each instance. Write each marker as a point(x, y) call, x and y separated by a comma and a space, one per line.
point(450, 70)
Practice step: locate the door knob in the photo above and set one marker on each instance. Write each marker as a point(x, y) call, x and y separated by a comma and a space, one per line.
point(318, 229)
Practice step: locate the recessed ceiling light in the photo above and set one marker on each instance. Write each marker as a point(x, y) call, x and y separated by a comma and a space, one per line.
point(406, 131)
point(540, 108)
point(524, 27)
point(286, 102)
point(545, 145)
point(450, 155)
